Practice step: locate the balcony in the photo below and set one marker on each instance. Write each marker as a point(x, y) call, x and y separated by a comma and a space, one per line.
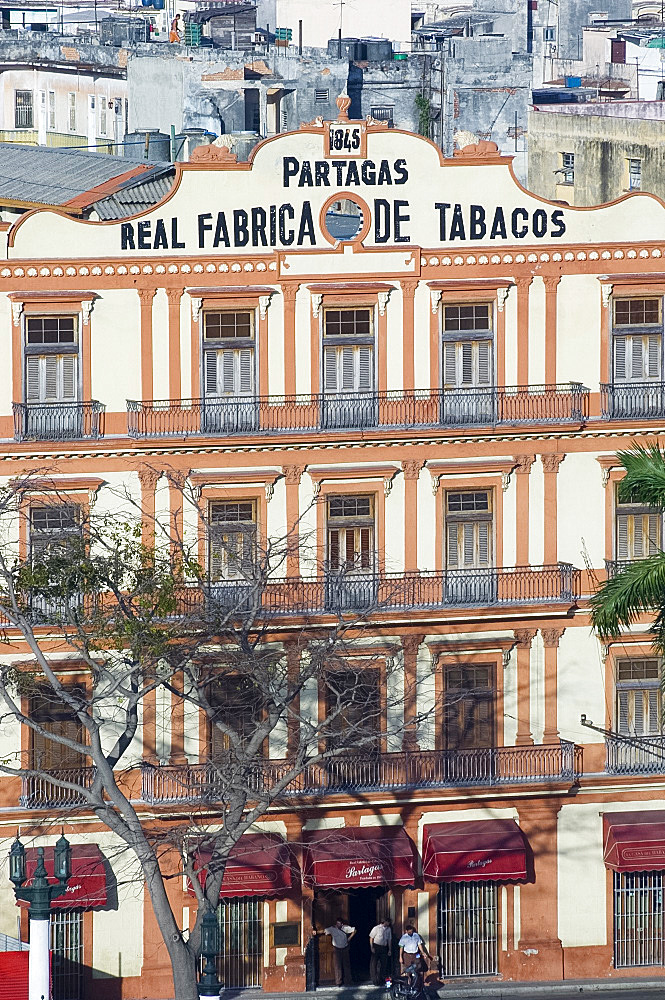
point(40, 793)
point(376, 592)
point(635, 755)
point(614, 566)
point(58, 421)
point(352, 773)
point(633, 401)
point(394, 410)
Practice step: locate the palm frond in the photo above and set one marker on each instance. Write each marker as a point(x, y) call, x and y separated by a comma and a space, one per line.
point(638, 588)
point(644, 481)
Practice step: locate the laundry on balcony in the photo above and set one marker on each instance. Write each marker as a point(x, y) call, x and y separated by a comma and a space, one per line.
point(474, 851)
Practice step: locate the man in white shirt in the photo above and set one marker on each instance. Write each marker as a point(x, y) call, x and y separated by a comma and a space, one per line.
point(412, 948)
point(341, 934)
point(380, 942)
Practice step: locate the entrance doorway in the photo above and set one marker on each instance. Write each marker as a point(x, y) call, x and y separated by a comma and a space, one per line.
point(361, 908)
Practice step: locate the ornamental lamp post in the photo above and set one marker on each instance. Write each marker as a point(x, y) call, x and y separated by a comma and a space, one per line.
point(209, 984)
point(40, 896)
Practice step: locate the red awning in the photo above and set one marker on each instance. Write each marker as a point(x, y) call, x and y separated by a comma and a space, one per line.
point(634, 841)
point(86, 889)
point(355, 856)
point(260, 864)
point(490, 850)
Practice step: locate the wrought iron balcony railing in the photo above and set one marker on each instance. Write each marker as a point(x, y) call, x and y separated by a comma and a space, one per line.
point(614, 566)
point(351, 773)
point(58, 421)
point(635, 755)
point(41, 793)
point(633, 400)
point(393, 410)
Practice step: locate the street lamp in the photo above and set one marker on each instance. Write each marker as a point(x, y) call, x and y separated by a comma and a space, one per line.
point(209, 984)
point(40, 896)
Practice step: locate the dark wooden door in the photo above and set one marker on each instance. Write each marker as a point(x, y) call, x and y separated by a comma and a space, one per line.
point(328, 906)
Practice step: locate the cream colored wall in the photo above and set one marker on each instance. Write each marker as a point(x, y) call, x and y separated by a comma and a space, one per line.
point(578, 329)
point(427, 514)
point(536, 514)
point(160, 345)
point(186, 348)
point(536, 331)
point(82, 84)
point(510, 700)
point(395, 375)
point(394, 550)
point(6, 352)
point(581, 685)
point(114, 331)
point(580, 524)
point(303, 356)
point(510, 310)
point(276, 344)
point(537, 691)
point(113, 929)
point(421, 319)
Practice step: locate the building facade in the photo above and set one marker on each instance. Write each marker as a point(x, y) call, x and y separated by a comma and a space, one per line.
point(423, 359)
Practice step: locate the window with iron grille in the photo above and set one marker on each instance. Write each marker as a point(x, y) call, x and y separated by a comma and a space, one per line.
point(638, 340)
point(469, 706)
point(382, 113)
point(232, 540)
point(638, 919)
point(240, 958)
point(71, 105)
point(638, 694)
point(67, 954)
point(51, 110)
point(51, 359)
point(351, 533)
point(467, 929)
point(102, 116)
point(469, 529)
point(56, 719)
point(237, 706)
point(639, 530)
point(467, 345)
point(24, 114)
point(228, 354)
point(567, 172)
point(321, 95)
point(348, 351)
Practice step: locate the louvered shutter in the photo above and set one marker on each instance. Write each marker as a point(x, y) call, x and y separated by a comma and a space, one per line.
point(638, 713)
point(365, 548)
point(484, 362)
point(246, 363)
point(653, 527)
point(228, 372)
point(468, 544)
point(452, 546)
point(33, 378)
point(637, 359)
point(653, 357)
point(68, 367)
point(620, 359)
point(333, 548)
point(50, 378)
point(349, 546)
point(623, 712)
point(622, 536)
point(365, 369)
point(466, 350)
point(330, 369)
point(483, 543)
point(211, 373)
point(348, 380)
point(653, 697)
point(638, 536)
point(449, 367)
point(216, 557)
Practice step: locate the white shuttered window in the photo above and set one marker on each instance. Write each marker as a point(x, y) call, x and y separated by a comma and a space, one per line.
point(639, 701)
point(348, 369)
point(468, 529)
point(637, 358)
point(229, 372)
point(51, 378)
point(467, 363)
point(638, 535)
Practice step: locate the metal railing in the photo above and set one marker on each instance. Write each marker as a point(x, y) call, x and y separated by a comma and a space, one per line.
point(633, 400)
point(559, 583)
point(372, 772)
point(39, 792)
point(395, 409)
point(58, 421)
point(635, 754)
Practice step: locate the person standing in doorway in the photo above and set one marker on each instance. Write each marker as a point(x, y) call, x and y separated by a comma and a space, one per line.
point(341, 934)
point(380, 942)
point(412, 948)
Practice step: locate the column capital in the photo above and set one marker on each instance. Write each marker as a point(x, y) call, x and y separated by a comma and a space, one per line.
point(411, 644)
point(409, 285)
point(523, 282)
point(523, 463)
point(293, 474)
point(290, 290)
point(146, 295)
point(552, 461)
point(551, 281)
point(411, 468)
point(524, 637)
point(551, 636)
point(148, 478)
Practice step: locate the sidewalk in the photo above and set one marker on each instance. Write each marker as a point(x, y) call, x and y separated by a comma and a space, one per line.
point(474, 990)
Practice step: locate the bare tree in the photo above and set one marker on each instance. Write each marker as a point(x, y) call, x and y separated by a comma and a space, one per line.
point(135, 611)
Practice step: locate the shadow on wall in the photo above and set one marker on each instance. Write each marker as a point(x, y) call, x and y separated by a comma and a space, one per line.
point(354, 88)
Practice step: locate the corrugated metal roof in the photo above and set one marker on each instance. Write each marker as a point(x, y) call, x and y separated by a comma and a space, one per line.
point(47, 176)
point(137, 195)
